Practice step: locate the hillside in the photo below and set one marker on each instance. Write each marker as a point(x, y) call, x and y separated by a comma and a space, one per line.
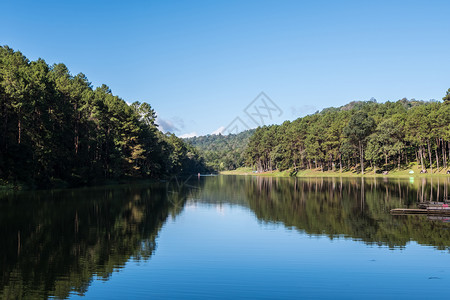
point(222, 152)
point(359, 135)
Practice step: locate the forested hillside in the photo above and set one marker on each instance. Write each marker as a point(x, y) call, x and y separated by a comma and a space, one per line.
point(381, 136)
point(222, 152)
point(57, 129)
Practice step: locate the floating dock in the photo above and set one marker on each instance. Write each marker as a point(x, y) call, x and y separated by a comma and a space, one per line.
point(421, 211)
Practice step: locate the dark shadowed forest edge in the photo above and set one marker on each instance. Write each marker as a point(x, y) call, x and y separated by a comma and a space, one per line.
point(57, 130)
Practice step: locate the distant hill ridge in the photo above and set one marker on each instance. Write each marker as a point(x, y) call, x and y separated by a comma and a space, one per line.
point(222, 152)
point(303, 141)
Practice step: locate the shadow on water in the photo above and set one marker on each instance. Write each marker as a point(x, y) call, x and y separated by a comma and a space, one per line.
point(56, 242)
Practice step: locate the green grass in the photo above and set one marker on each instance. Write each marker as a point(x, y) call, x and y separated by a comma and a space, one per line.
point(239, 171)
point(352, 173)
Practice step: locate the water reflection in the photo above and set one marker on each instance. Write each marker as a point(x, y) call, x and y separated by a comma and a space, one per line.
point(353, 208)
point(356, 208)
point(56, 242)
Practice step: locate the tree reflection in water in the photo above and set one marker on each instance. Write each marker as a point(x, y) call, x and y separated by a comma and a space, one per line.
point(354, 208)
point(56, 242)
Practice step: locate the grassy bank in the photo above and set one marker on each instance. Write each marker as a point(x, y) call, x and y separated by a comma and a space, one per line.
point(352, 173)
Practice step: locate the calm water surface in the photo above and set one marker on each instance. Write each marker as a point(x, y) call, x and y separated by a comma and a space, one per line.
point(226, 237)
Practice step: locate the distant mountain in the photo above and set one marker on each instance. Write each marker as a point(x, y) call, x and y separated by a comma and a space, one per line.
point(222, 152)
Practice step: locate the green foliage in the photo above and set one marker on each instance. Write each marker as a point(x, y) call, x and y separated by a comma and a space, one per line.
point(387, 135)
point(359, 127)
point(55, 127)
point(447, 96)
point(222, 152)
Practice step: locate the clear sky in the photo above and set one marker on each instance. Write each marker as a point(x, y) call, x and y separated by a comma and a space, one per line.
point(200, 63)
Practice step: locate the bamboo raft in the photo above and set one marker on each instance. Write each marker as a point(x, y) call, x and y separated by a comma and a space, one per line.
point(420, 211)
point(425, 208)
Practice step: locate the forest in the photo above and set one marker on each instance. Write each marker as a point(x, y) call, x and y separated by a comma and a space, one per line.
point(358, 136)
point(58, 130)
point(222, 152)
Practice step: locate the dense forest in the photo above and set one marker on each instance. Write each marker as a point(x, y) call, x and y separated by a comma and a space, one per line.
point(381, 136)
point(57, 129)
point(222, 152)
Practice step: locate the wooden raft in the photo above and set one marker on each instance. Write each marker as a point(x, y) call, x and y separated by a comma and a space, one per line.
point(421, 211)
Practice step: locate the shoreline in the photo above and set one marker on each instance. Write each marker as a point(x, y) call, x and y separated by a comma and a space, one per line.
point(318, 173)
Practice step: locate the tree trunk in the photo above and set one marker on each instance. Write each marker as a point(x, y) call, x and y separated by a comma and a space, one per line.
point(436, 151)
point(340, 163)
point(19, 126)
point(444, 153)
point(77, 121)
point(437, 158)
point(424, 157)
point(361, 156)
point(5, 126)
point(429, 155)
point(421, 156)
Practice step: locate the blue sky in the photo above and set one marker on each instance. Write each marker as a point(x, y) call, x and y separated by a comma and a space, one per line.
point(200, 63)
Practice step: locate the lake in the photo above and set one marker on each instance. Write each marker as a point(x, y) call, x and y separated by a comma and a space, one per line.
point(226, 237)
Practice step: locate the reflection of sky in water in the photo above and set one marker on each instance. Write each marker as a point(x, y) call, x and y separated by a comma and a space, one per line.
point(201, 255)
point(227, 236)
point(220, 209)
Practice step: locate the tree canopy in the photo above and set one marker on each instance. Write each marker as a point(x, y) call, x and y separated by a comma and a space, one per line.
point(56, 128)
point(385, 135)
point(222, 152)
